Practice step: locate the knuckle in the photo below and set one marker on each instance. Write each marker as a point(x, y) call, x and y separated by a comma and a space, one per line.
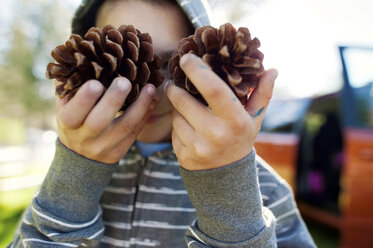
point(201, 152)
point(114, 100)
point(128, 127)
point(217, 135)
point(238, 124)
point(181, 101)
point(213, 92)
point(66, 121)
point(176, 121)
point(93, 129)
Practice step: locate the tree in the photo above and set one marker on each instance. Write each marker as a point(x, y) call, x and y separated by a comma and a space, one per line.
point(25, 93)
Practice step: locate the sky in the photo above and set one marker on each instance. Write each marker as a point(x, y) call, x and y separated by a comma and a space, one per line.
point(299, 37)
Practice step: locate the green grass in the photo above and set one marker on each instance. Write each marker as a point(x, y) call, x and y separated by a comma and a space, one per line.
point(12, 205)
point(323, 236)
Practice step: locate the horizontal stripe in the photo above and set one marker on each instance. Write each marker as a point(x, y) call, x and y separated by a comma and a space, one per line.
point(161, 207)
point(119, 225)
point(264, 197)
point(149, 224)
point(132, 241)
point(67, 224)
point(96, 234)
point(278, 202)
point(265, 173)
point(49, 242)
point(128, 175)
point(268, 185)
point(148, 206)
point(161, 175)
point(125, 208)
point(116, 242)
point(159, 225)
point(121, 190)
point(287, 214)
point(91, 237)
point(130, 161)
point(163, 161)
point(163, 190)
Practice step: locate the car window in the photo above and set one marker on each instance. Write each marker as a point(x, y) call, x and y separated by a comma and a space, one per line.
point(359, 67)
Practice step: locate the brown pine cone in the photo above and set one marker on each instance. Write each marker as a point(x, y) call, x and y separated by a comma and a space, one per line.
point(231, 54)
point(104, 54)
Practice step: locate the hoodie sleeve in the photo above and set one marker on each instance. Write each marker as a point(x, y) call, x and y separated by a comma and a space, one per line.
point(230, 212)
point(66, 211)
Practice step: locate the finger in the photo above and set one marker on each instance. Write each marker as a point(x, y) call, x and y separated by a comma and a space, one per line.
point(135, 115)
point(59, 101)
point(192, 110)
point(179, 148)
point(260, 97)
point(216, 92)
point(184, 131)
point(73, 113)
point(105, 110)
point(124, 143)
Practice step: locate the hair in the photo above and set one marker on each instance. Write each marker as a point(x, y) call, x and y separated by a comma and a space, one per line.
point(85, 15)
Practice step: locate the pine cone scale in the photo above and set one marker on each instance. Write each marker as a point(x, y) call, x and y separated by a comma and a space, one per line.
point(231, 54)
point(97, 69)
point(103, 54)
point(147, 53)
point(62, 56)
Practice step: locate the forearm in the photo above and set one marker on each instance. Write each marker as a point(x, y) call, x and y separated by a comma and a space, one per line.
point(229, 207)
point(66, 208)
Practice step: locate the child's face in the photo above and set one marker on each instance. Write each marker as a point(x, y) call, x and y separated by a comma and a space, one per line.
point(167, 25)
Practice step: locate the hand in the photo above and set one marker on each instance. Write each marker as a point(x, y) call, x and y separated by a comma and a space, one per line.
point(225, 132)
point(92, 129)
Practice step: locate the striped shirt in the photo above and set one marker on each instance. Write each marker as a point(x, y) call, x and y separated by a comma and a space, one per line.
point(145, 203)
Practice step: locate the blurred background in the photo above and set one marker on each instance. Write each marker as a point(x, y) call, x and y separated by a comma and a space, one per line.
point(305, 40)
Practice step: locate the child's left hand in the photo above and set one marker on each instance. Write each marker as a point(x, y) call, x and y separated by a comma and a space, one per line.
point(225, 132)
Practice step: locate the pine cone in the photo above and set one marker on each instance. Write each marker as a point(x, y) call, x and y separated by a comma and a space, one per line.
point(231, 54)
point(103, 54)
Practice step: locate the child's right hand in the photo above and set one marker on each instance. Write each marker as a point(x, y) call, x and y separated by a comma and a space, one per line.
point(91, 129)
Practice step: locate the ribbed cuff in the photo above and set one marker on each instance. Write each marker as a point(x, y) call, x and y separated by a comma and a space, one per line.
point(227, 200)
point(74, 185)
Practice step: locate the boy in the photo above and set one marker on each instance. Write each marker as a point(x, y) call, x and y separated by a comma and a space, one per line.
point(89, 199)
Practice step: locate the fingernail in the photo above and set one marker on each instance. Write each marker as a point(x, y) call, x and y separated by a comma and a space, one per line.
point(151, 90)
point(122, 84)
point(185, 57)
point(95, 86)
point(274, 73)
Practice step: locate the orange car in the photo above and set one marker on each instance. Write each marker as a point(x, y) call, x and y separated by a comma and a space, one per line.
point(323, 147)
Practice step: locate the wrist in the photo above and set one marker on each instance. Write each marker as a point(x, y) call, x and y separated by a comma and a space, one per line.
point(73, 185)
point(227, 198)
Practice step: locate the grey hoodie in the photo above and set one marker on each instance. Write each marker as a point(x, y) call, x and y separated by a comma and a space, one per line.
point(153, 202)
